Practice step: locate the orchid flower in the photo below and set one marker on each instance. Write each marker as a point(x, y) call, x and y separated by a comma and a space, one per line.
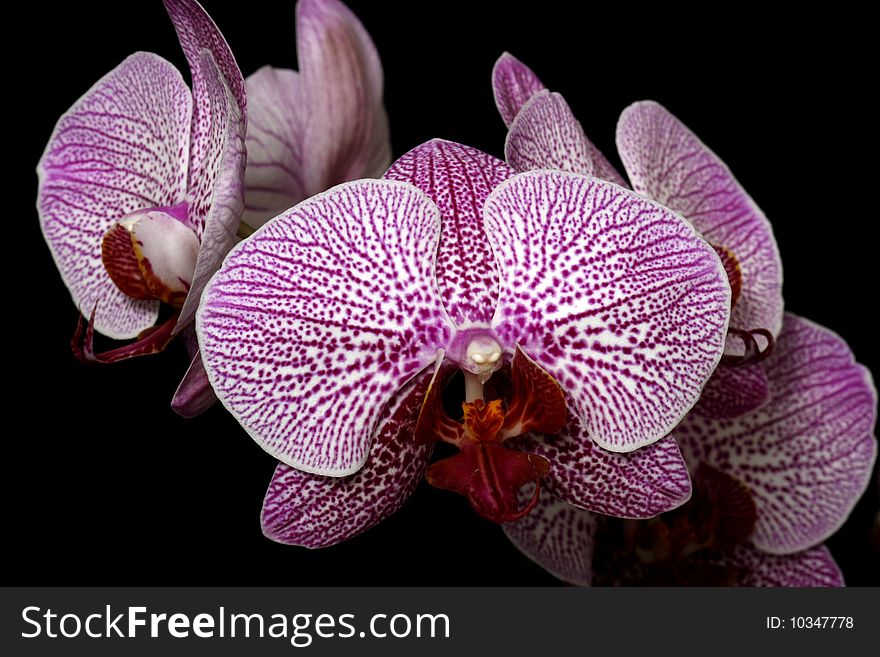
point(769, 486)
point(330, 333)
point(323, 125)
point(141, 188)
point(666, 162)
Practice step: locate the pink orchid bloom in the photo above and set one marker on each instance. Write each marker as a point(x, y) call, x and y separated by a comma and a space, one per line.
point(769, 486)
point(330, 334)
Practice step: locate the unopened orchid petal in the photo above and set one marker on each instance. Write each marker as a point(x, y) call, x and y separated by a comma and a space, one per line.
point(513, 83)
point(614, 295)
point(459, 179)
point(316, 511)
point(806, 455)
point(316, 320)
point(117, 150)
point(558, 537)
point(669, 164)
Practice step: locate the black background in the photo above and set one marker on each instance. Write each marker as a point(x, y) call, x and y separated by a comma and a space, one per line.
point(106, 485)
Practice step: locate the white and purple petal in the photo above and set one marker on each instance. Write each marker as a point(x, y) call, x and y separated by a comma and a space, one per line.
point(614, 295)
point(458, 179)
point(558, 537)
point(513, 83)
point(315, 321)
point(315, 511)
point(733, 391)
point(811, 568)
point(346, 125)
point(639, 484)
point(119, 149)
point(217, 203)
point(546, 135)
point(197, 32)
point(806, 455)
point(668, 163)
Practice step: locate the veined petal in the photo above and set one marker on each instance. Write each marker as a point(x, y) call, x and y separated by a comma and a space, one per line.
point(639, 484)
point(275, 174)
point(513, 83)
point(118, 149)
point(733, 391)
point(614, 295)
point(216, 203)
point(807, 454)
point(459, 179)
point(197, 33)
point(194, 395)
point(318, 318)
point(558, 537)
point(546, 135)
point(315, 511)
point(813, 567)
point(667, 162)
point(346, 131)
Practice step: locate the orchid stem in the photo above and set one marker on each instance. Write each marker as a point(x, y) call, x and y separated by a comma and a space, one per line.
point(473, 387)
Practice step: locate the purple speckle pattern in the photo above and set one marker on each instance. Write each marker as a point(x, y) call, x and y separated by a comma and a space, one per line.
point(734, 391)
point(197, 32)
point(638, 484)
point(807, 454)
point(316, 320)
point(216, 202)
point(668, 163)
point(811, 568)
point(558, 537)
point(513, 83)
point(120, 148)
point(459, 179)
point(614, 295)
point(545, 135)
point(315, 511)
point(321, 126)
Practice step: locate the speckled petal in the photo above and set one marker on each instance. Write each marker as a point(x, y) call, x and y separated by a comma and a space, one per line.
point(317, 319)
point(223, 198)
point(614, 295)
point(810, 568)
point(197, 33)
point(458, 179)
point(558, 537)
point(733, 391)
point(546, 135)
point(668, 163)
point(639, 484)
point(513, 83)
point(120, 148)
point(807, 454)
point(315, 511)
